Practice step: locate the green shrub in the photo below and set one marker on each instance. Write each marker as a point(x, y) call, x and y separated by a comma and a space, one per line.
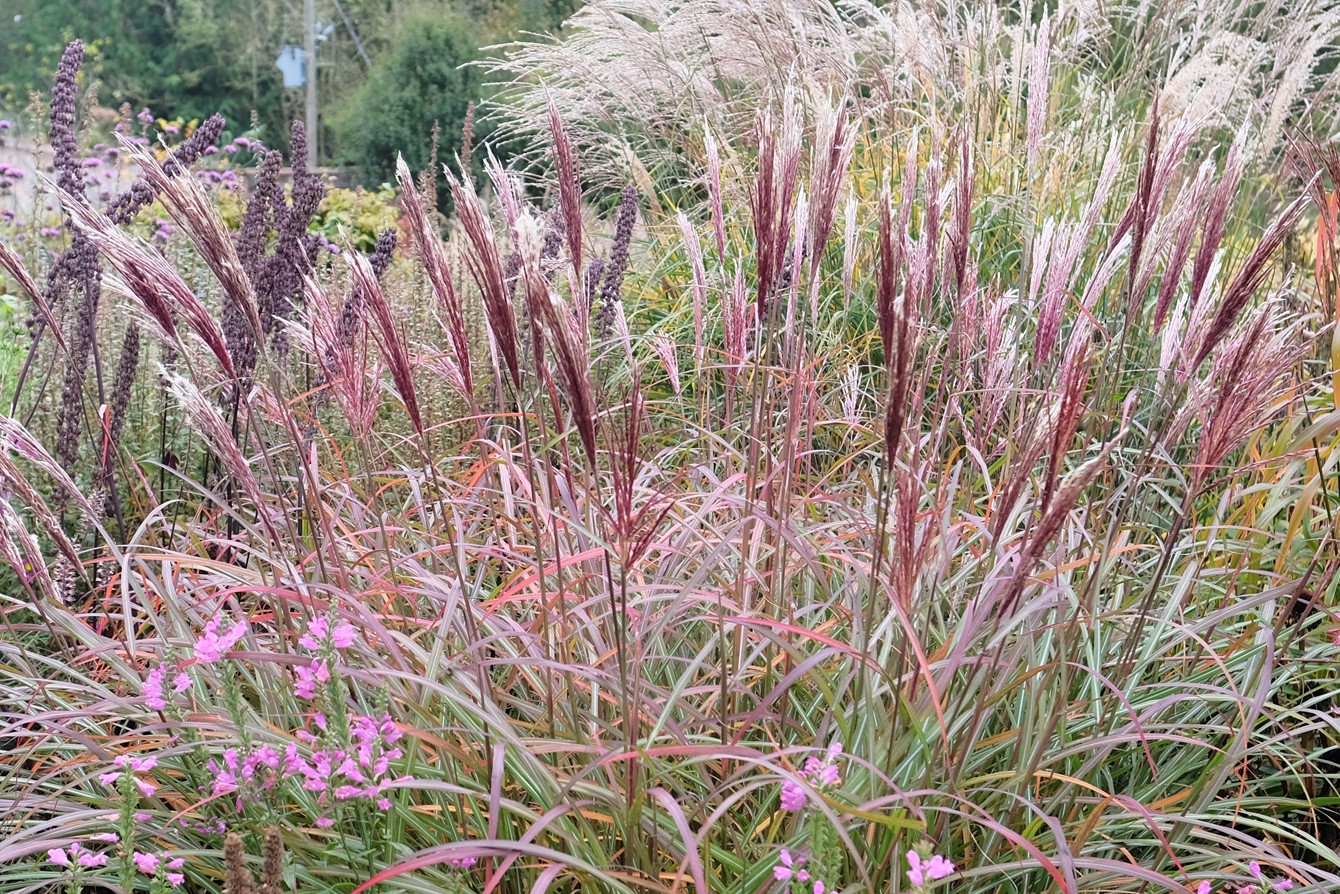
point(421, 81)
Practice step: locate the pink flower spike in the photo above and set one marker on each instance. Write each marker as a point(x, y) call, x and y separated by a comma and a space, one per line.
point(309, 678)
point(938, 867)
point(316, 631)
point(915, 875)
point(787, 868)
point(793, 796)
point(153, 689)
point(344, 636)
point(210, 647)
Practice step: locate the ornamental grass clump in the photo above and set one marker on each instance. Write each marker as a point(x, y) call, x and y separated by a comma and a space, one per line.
point(997, 477)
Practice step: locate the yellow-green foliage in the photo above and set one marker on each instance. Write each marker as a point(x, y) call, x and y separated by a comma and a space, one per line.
point(357, 215)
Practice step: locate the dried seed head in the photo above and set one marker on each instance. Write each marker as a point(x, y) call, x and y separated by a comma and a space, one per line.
point(64, 144)
point(236, 876)
point(612, 290)
point(272, 878)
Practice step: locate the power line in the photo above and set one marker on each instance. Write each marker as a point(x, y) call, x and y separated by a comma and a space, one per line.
point(349, 26)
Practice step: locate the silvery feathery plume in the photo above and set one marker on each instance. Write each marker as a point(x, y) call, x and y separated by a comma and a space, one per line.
point(483, 258)
point(772, 194)
point(432, 253)
point(569, 186)
point(190, 151)
point(468, 136)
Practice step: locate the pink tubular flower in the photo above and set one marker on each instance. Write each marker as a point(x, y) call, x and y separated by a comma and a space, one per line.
point(938, 867)
point(343, 636)
point(309, 678)
point(461, 862)
point(793, 796)
point(76, 856)
point(923, 871)
point(146, 863)
point(915, 875)
point(316, 631)
point(210, 647)
point(319, 633)
point(1204, 888)
point(153, 689)
point(789, 868)
point(137, 764)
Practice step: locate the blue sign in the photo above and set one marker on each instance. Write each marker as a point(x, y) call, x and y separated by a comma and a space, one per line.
point(292, 64)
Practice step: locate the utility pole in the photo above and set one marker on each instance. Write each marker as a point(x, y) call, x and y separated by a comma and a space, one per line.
point(309, 118)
